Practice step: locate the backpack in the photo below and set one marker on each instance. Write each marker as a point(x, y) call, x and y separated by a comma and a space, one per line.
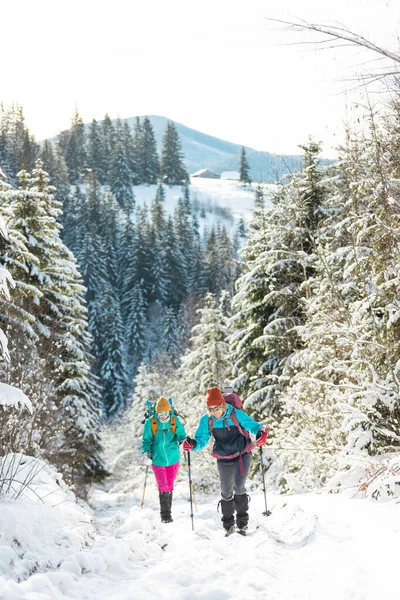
point(231, 397)
point(150, 414)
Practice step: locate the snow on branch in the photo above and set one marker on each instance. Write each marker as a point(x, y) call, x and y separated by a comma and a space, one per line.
point(3, 228)
point(12, 396)
point(5, 277)
point(4, 346)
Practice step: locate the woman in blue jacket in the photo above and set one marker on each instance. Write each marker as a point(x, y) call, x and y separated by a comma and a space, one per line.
point(230, 428)
point(162, 434)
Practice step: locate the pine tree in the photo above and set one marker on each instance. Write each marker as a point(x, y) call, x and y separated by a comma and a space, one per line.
point(206, 363)
point(135, 328)
point(171, 341)
point(54, 164)
point(269, 304)
point(108, 142)
point(131, 157)
point(173, 171)
point(73, 146)
point(150, 165)
point(174, 268)
point(351, 351)
point(120, 177)
point(158, 213)
point(137, 148)
point(96, 159)
point(18, 149)
point(244, 168)
point(61, 326)
point(112, 360)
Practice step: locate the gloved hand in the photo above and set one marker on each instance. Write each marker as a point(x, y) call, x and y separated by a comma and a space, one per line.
point(146, 458)
point(261, 437)
point(189, 444)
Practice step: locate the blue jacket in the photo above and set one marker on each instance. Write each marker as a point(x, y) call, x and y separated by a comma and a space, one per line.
point(164, 446)
point(227, 438)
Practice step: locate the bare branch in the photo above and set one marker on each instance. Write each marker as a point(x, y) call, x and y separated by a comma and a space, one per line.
point(340, 33)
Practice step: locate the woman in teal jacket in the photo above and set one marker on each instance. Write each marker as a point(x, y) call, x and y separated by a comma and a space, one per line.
point(163, 432)
point(230, 428)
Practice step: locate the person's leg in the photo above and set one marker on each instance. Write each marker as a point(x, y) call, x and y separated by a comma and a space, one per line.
point(162, 483)
point(226, 477)
point(171, 473)
point(241, 498)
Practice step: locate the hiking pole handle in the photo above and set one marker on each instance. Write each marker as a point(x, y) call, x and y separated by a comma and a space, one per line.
point(267, 512)
point(144, 487)
point(190, 489)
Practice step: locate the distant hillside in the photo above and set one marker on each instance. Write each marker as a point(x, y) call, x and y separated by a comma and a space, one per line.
point(205, 151)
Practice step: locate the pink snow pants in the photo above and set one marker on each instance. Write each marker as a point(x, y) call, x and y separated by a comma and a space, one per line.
point(165, 477)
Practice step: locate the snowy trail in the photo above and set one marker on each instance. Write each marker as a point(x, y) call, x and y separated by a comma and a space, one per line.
point(342, 555)
point(311, 547)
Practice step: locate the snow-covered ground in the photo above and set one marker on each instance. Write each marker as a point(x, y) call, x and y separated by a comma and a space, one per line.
point(210, 194)
point(312, 546)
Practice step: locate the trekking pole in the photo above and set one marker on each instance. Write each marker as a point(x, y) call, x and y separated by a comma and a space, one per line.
point(193, 494)
point(144, 487)
point(194, 499)
point(190, 489)
point(267, 512)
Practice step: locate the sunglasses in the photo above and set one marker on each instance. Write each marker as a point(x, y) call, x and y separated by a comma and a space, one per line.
point(163, 414)
point(214, 408)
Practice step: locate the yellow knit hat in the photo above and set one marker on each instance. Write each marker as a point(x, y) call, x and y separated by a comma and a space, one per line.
point(163, 405)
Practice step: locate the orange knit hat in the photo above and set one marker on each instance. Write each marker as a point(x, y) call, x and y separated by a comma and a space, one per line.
point(163, 405)
point(214, 397)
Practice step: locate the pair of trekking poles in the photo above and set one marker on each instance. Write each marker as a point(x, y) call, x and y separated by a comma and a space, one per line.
point(265, 513)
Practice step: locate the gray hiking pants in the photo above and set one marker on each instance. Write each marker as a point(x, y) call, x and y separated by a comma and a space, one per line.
point(232, 482)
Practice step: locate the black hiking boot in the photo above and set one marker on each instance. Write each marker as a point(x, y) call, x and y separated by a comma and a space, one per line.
point(230, 531)
point(242, 508)
point(242, 530)
point(165, 507)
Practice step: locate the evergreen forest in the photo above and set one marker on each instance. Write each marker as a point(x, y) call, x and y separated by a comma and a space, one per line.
point(115, 302)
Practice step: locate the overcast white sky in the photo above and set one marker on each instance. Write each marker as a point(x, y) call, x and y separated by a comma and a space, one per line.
point(218, 66)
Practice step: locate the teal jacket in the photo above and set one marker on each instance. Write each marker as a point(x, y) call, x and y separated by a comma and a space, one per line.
point(164, 446)
point(227, 438)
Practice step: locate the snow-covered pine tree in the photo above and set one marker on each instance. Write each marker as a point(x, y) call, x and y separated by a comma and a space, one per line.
point(127, 138)
point(54, 164)
point(137, 146)
point(185, 237)
point(61, 324)
point(18, 149)
point(268, 304)
point(73, 145)
point(149, 161)
point(343, 401)
point(158, 219)
point(135, 329)
point(206, 364)
point(173, 170)
point(120, 175)
point(171, 341)
point(174, 268)
point(108, 141)
point(96, 159)
point(244, 168)
point(112, 359)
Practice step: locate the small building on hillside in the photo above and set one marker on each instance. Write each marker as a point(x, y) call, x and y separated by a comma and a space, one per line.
point(235, 175)
point(206, 174)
